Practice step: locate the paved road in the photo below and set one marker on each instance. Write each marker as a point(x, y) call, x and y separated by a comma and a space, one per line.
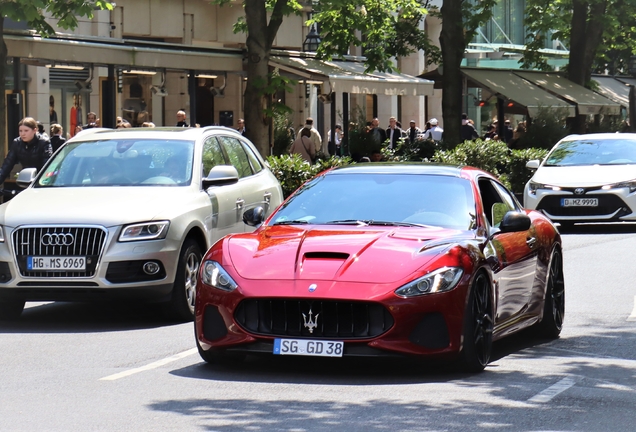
point(79, 367)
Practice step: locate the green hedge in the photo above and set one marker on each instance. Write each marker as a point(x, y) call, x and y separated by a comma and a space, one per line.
point(494, 157)
point(292, 171)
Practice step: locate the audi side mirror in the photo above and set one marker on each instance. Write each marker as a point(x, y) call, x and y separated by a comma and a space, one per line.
point(26, 177)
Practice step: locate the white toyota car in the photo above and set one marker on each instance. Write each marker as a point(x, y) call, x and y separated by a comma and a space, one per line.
point(586, 178)
point(128, 213)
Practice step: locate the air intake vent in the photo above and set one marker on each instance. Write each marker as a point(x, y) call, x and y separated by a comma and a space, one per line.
point(327, 255)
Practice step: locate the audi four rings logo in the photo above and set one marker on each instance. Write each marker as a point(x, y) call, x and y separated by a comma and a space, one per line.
point(57, 239)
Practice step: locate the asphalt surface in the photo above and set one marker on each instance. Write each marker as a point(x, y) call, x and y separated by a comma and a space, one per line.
point(121, 367)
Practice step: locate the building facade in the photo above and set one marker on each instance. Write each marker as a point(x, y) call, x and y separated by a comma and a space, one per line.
point(166, 56)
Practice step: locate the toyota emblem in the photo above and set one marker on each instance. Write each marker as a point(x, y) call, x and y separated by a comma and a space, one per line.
point(579, 191)
point(57, 239)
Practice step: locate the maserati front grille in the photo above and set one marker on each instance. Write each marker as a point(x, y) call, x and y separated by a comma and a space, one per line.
point(326, 319)
point(58, 241)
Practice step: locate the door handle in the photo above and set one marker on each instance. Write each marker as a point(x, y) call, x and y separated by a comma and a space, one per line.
point(531, 242)
point(239, 203)
point(267, 196)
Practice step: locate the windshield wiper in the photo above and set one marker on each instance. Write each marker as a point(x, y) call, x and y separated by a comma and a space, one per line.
point(291, 222)
point(373, 222)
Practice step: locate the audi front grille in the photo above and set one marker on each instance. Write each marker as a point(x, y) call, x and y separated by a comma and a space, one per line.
point(325, 319)
point(59, 241)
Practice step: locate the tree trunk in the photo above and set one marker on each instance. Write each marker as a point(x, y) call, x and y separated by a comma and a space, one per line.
point(3, 98)
point(259, 43)
point(453, 44)
point(585, 37)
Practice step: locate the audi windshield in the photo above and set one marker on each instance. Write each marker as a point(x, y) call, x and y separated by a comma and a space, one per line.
point(120, 163)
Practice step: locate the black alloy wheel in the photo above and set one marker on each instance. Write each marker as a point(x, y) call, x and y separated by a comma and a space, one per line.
point(478, 326)
point(554, 305)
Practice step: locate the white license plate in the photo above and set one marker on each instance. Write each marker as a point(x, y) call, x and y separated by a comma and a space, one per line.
point(56, 263)
point(579, 202)
point(308, 347)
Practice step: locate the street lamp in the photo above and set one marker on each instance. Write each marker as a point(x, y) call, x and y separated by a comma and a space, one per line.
point(312, 41)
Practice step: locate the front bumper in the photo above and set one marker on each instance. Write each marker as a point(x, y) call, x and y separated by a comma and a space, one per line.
point(429, 325)
point(117, 272)
point(613, 204)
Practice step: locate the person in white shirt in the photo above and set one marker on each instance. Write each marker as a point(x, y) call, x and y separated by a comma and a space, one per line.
point(315, 135)
point(435, 132)
point(334, 147)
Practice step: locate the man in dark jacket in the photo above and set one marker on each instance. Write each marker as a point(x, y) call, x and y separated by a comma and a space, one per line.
point(393, 133)
point(468, 131)
point(29, 149)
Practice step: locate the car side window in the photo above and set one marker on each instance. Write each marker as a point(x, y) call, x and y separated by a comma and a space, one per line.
point(254, 161)
point(236, 154)
point(495, 207)
point(212, 155)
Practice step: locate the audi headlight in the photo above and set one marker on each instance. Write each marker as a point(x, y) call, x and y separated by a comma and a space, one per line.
point(144, 231)
point(214, 275)
point(444, 279)
point(534, 187)
point(628, 184)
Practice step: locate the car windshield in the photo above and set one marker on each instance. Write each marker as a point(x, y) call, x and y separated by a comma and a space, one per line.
point(381, 199)
point(120, 163)
point(594, 151)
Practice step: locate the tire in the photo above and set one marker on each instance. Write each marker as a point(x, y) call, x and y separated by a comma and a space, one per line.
point(554, 304)
point(185, 283)
point(10, 309)
point(219, 357)
point(478, 326)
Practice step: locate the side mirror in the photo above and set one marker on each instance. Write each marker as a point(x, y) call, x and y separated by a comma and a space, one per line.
point(533, 164)
point(26, 177)
point(254, 216)
point(514, 221)
point(221, 175)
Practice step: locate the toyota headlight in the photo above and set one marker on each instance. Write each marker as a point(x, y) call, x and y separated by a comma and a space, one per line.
point(533, 187)
point(444, 279)
point(627, 184)
point(144, 231)
point(214, 275)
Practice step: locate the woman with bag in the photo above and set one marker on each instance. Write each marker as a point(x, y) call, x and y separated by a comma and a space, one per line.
point(304, 146)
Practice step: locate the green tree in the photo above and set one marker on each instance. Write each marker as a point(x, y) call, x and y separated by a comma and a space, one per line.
point(460, 21)
point(390, 29)
point(32, 12)
point(599, 32)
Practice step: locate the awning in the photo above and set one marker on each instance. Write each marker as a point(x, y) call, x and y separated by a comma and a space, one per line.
point(586, 100)
point(350, 77)
point(96, 51)
point(613, 89)
point(507, 85)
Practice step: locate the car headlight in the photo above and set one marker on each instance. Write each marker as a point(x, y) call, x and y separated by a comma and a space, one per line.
point(1, 234)
point(144, 231)
point(628, 184)
point(214, 275)
point(534, 186)
point(444, 279)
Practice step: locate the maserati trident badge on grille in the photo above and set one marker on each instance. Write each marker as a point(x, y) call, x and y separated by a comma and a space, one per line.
point(312, 287)
point(312, 322)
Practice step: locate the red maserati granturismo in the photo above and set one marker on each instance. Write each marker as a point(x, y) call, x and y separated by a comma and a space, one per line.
point(383, 260)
